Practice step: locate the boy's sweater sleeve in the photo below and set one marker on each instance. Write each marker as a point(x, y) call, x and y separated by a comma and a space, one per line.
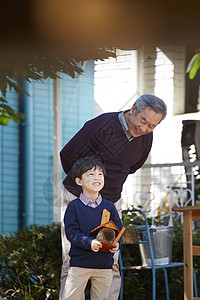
point(72, 229)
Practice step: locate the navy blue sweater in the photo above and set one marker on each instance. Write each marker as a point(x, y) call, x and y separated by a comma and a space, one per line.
point(79, 220)
point(105, 137)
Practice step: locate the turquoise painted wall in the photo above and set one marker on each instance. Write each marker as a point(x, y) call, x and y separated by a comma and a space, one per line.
point(77, 106)
point(9, 173)
point(77, 101)
point(42, 97)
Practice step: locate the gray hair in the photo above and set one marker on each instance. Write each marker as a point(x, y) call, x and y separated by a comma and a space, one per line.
point(152, 101)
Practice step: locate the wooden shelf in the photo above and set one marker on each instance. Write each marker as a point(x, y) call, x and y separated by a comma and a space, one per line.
point(194, 209)
point(196, 250)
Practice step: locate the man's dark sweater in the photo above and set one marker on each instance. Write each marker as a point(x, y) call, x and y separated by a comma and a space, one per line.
point(79, 220)
point(104, 136)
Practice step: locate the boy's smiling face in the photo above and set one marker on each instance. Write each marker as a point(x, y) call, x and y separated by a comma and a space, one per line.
point(91, 182)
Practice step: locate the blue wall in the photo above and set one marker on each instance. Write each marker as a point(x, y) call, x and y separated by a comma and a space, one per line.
point(77, 101)
point(42, 98)
point(77, 106)
point(9, 173)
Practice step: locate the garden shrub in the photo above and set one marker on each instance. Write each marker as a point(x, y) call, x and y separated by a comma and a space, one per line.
point(30, 263)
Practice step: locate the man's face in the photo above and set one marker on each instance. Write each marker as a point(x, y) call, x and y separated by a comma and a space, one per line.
point(142, 122)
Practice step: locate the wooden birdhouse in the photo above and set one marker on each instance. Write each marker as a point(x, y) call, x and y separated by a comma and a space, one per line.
point(108, 233)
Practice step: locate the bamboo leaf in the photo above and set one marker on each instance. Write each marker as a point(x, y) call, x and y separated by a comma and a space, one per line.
point(195, 66)
point(190, 64)
point(3, 87)
point(15, 118)
point(8, 109)
point(4, 120)
point(21, 116)
point(8, 113)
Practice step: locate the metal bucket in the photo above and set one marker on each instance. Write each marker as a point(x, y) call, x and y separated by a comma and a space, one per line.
point(161, 239)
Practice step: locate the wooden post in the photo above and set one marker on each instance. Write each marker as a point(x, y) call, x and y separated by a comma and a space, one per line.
point(188, 255)
point(190, 213)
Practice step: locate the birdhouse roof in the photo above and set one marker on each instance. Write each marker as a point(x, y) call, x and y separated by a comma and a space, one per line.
point(109, 224)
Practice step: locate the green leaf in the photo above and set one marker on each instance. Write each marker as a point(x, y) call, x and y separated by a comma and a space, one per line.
point(195, 66)
point(4, 120)
point(191, 62)
point(8, 113)
point(21, 116)
point(15, 118)
point(28, 297)
point(3, 100)
point(8, 109)
point(13, 85)
point(3, 87)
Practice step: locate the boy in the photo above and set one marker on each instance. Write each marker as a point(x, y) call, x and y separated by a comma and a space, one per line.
point(83, 215)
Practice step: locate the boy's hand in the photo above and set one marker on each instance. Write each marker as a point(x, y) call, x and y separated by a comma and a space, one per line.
point(113, 250)
point(96, 245)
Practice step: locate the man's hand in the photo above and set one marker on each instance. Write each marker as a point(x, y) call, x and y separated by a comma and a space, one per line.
point(96, 245)
point(113, 250)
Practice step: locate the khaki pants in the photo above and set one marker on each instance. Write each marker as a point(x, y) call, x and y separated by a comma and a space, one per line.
point(66, 197)
point(77, 280)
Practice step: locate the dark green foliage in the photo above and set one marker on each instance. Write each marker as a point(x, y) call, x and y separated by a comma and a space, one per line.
point(32, 66)
point(7, 113)
point(138, 284)
point(30, 263)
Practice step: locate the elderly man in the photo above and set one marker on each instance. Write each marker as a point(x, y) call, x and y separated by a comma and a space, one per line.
point(123, 141)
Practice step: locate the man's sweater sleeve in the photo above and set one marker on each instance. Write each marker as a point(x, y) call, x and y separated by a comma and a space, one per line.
point(147, 149)
point(72, 150)
point(116, 219)
point(82, 144)
point(72, 229)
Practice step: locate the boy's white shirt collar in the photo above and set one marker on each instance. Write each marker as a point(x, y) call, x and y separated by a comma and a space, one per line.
point(90, 202)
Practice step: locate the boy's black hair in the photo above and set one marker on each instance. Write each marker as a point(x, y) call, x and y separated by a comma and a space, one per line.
point(82, 165)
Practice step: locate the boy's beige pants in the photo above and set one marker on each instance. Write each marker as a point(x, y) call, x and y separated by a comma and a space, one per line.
point(66, 197)
point(77, 279)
